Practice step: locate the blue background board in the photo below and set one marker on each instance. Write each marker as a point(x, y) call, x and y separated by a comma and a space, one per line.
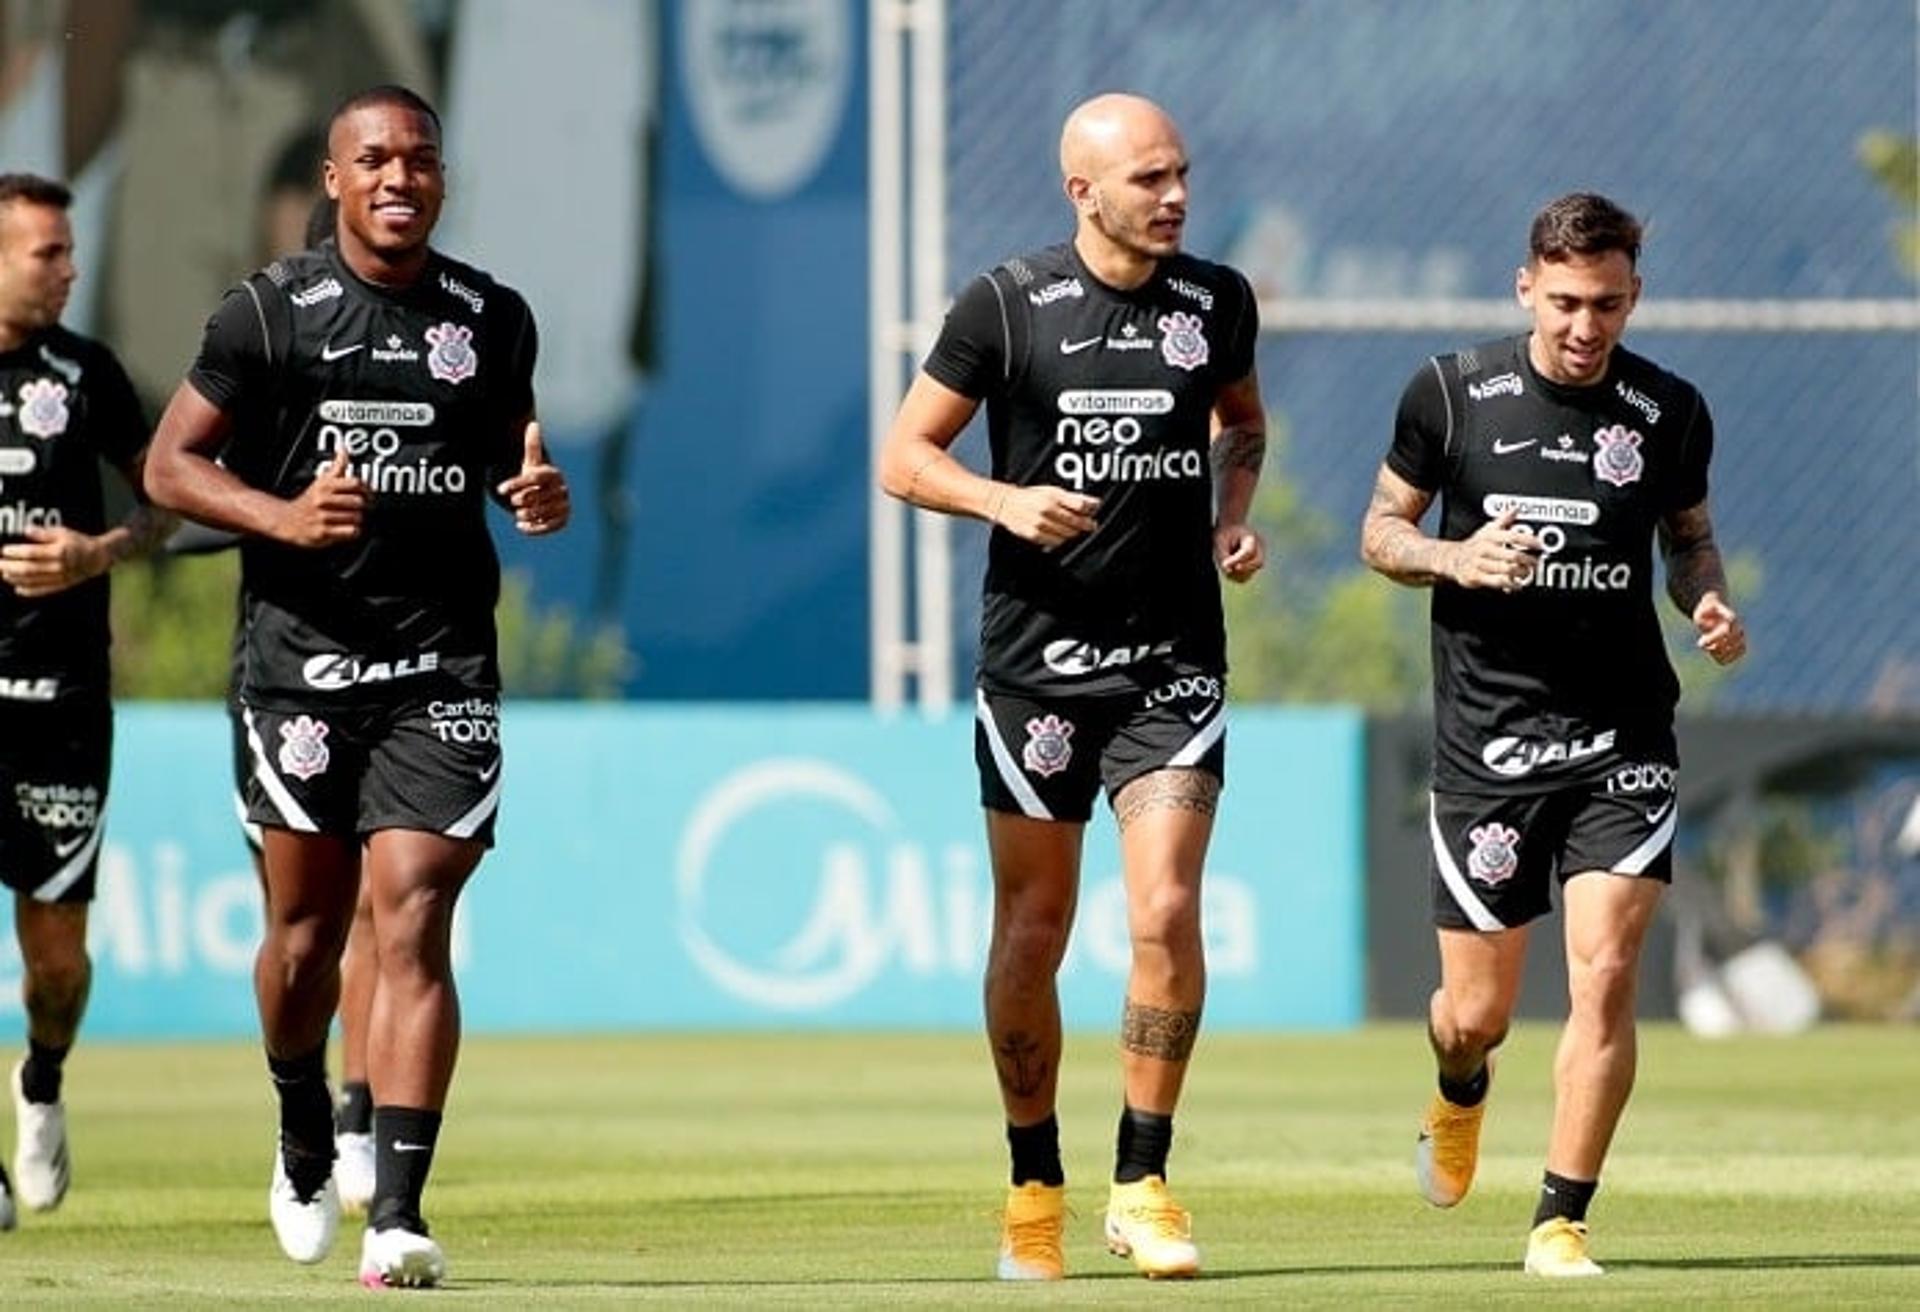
point(741, 467)
point(737, 868)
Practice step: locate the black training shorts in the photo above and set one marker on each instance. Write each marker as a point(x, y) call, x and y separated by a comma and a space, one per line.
point(431, 765)
point(1048, 758)
point(54, 761)
point(1496, 858)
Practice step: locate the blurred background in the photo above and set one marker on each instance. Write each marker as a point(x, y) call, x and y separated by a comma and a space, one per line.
point(742, 796)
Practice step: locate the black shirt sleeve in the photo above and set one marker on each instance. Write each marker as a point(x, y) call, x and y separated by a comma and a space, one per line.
point(1419, 451)
point(118, 423)
point(971, 353)
point(1689, 486)
point(234, 359)
point(1244, 334)
point(514, 400)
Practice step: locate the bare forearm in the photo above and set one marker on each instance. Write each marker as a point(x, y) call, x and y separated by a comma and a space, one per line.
point(1693, 572)
point(1399, 550)
point(925, 474)
point(205, 492)
point(139, 534)
point(1238, 454)
point(1693, 558)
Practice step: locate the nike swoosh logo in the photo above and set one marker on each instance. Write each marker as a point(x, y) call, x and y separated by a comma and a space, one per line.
point(1504, 448)
point(488, 773)
point(1195, 717)
point(62, 851)
point(1074, 348)
point(328, 352)
point(1659, 813)
point(402, 1146)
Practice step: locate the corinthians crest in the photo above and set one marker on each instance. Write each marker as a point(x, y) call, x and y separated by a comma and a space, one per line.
point(451, 357)
point(1183, 345)
point(303, 747)
point(1495, 855)
point(1048, 750)
point(1617, 459)
point(43, 408)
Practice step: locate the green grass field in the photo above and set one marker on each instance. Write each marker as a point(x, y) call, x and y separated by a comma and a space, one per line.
point(835, 1170)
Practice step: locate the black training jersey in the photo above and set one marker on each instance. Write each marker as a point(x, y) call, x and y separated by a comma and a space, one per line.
point(65, 405)
point(1109, 393)
point(1568, 678)
point(425, 388)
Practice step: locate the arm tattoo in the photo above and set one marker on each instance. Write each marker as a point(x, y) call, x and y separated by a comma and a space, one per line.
point(147, 527)
point(1693, 560)
point(1241, 446)
point(1154, 1032)
point(1017, 1060)
point(1391, 541)
point(1172, 789)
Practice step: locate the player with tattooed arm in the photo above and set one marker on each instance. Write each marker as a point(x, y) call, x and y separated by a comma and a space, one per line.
point(1558, 456)
point(1127, 434)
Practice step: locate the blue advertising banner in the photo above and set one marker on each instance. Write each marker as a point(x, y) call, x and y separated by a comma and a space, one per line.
point(727, 867)
point(703, 329)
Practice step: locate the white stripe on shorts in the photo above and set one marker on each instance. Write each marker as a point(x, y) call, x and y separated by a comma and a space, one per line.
point(467, 825)
point(290, 810)
point(63, 878)
point(1636, 861)
point(1010, 773)
point(1463, 894)
point(256, 837)
point(1202, 743)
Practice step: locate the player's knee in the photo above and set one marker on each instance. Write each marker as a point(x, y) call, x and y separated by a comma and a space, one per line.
point(305, 946)
point(1166, 918)
point(1482, 1034)
point(57, 976)
point(1605, 981)
point(1032, 945)
point(415, 934)
point(1470, 1028)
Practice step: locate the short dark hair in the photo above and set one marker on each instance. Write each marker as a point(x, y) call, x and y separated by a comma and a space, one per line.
point(34, 189)
point(387, 93)
point(1583, 223)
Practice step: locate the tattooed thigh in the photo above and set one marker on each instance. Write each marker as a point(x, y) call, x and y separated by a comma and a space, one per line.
point(1157, 1032)
point(1177, 790)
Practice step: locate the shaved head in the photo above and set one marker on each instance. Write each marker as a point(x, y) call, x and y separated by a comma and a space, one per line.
point(1105, 128)
point(1124, 169)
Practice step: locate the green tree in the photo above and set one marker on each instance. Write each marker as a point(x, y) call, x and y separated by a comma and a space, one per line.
point(547, 652)
point(173, 626)
point(1894, 162)
point(1294, 635)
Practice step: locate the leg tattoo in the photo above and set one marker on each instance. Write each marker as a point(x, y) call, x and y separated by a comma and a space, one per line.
point(1155, 1032)
point(1178, 789)
point(1016, 1056)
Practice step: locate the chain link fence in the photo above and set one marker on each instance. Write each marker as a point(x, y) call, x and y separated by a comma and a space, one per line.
point(1383, 154)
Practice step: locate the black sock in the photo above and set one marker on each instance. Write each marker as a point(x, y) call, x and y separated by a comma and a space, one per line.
point(1142, 1145)
point(40, 1073)
point(306, 1118)
point(1036, 1153)
point(403, 1140)
point(353, 1110)
point(1470, 1092)
point(306, 1108)
point(1560, 1196)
